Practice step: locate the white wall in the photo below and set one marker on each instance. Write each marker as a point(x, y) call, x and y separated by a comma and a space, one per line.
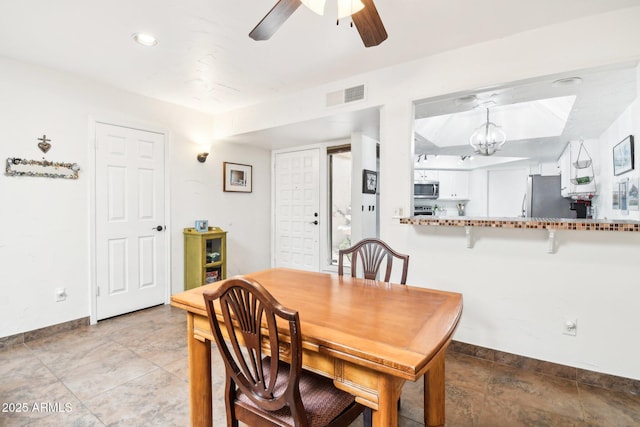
point(197, 194)
point(515, 294)
point(363, 156)
point(478, 193)
point(44, 223)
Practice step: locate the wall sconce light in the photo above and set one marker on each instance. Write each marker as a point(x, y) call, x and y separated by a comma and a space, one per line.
point(202, 157)
point(205, 149)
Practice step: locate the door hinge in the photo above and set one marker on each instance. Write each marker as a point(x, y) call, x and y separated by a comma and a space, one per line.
point(97, 291)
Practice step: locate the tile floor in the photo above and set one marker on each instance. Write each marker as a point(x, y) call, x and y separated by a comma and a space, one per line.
point(132, 371)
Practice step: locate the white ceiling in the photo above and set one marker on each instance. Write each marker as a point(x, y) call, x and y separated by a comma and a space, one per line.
point(444, 125)
point(521, 120)
point(325, 129)
point(205, 59)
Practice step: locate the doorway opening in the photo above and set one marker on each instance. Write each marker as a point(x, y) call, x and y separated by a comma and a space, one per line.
point(340, 168)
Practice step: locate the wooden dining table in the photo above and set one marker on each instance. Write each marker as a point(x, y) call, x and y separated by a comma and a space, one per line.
point(370, 337)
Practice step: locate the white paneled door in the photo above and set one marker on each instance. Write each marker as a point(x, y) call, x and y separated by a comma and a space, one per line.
point(297, 210)
point(130, 226)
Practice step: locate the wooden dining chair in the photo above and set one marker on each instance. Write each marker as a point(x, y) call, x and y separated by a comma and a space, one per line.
point(261, 389)
point(372, 253)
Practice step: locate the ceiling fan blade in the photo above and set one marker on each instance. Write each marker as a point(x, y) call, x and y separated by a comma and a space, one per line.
point(369, 25)
point(274, 19)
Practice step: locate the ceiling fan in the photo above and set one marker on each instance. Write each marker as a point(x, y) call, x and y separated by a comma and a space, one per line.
point(367, 21)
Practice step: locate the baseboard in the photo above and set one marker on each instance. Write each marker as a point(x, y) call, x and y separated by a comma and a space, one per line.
point(25, 337)
point(597, 379)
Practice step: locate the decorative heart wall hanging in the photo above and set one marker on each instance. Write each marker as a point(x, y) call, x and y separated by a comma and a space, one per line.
point(44, 146)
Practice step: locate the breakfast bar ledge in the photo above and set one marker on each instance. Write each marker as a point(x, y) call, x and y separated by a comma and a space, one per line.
point(552, 225)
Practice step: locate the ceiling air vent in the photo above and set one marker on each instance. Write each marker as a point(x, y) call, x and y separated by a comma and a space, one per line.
point(345, 96)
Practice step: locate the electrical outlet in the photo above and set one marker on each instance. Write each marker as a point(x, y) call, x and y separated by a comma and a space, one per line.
point(61, 294)
point(570, 326)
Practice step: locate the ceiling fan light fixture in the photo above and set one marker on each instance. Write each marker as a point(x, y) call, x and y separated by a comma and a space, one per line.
point(364, 17)
point(349, 7)
point(316, 6)
point(487, 138)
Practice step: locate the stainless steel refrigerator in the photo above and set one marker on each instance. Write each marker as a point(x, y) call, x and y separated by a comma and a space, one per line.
point(543, 199)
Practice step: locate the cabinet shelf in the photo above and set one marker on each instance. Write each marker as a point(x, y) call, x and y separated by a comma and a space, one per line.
point(199, 248)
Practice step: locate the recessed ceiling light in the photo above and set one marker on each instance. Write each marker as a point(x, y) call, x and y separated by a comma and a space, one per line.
point(569, 81)
point(145, 39)
point(465, 100)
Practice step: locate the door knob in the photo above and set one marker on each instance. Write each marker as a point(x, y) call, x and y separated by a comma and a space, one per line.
point(158, 228)
point(314, 222)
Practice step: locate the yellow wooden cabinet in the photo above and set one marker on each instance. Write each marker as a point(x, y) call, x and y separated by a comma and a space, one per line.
point(205, 256)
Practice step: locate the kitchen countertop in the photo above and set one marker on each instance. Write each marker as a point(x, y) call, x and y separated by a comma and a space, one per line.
point(526, 223)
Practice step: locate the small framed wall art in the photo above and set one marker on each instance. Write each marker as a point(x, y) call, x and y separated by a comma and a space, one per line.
point(633, 194)
point(369, 181)
point(623, 156)
point(237, 177)
point(623, 197)
point(202, 225)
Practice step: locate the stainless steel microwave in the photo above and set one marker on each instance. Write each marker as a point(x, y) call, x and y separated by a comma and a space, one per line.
point(426, 190)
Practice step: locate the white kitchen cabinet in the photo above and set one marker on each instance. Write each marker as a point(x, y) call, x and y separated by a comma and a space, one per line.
point(420, 176)
point(454, 185)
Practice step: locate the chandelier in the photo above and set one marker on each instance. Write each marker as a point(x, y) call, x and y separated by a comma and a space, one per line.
point(345, 7)
point(487, 138)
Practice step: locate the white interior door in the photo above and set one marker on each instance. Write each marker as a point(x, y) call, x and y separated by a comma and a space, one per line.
point(130, 237)
point(297, 210)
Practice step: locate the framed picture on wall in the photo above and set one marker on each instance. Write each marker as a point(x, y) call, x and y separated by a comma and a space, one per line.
point(624, 206)
point(633, 194)
point(615, 196)
point(369, 181)
point(237, 177)
point(623, 156)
